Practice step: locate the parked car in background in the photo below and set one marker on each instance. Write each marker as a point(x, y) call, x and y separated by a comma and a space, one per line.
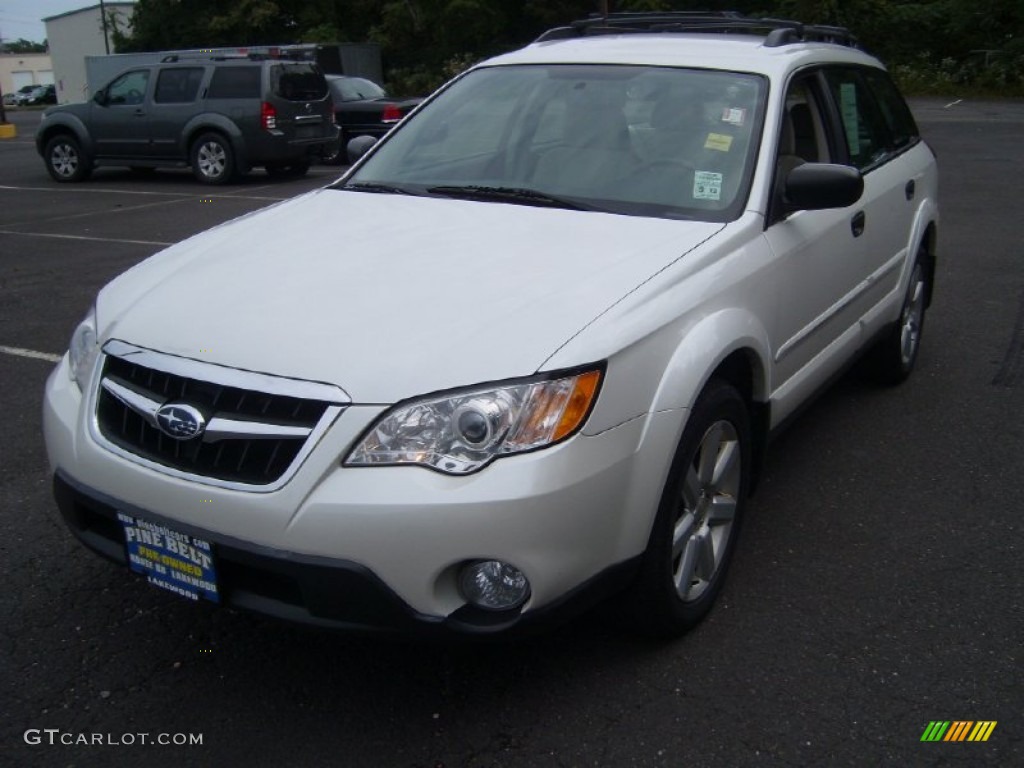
point(220, 116)
point(43, 94)
point(363, 108)
point(18, 97)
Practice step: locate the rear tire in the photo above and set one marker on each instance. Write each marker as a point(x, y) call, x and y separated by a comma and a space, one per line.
point(893, 358)
point(65, 160)
point(213, 160)
point(699, 516)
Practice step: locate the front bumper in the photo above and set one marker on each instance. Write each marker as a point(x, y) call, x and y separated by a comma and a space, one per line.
point(381, 547)
point(334, 594)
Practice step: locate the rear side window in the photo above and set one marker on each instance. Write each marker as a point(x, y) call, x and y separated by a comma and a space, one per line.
point(298, 82)
point(235, 83)
point(178, 86)
point(867, 132)
point(894, 108)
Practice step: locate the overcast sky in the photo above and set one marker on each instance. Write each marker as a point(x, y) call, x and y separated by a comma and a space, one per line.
point(23, 18)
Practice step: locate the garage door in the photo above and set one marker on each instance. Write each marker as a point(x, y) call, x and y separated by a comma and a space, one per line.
point(21, 79)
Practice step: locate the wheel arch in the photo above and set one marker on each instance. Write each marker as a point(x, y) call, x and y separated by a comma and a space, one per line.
point(730, 346)
point(214, 123)
point(65, 125)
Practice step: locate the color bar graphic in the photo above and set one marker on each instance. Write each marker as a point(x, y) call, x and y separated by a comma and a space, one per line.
point(958, 730)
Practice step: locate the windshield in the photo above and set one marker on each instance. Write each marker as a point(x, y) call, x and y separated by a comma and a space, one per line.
point(652, 141)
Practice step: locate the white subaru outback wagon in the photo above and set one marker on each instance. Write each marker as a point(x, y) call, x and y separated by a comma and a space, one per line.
point(614, 262)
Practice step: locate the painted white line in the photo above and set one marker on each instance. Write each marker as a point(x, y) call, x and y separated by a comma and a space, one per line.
point(83, 237)
point(952, 103)
point(19, 352)
point(179, 195)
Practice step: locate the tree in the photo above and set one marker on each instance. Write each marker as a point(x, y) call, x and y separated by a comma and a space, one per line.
point(21, 45)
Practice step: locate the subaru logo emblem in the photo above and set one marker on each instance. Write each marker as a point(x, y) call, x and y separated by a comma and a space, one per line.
point(182, 422)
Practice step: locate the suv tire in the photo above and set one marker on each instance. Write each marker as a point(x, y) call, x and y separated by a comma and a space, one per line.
point(213, 160)
point(698, 518)
point(65, 160)
point(893, 358)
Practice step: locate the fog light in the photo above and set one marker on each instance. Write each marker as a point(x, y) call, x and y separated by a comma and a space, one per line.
point(494, 585)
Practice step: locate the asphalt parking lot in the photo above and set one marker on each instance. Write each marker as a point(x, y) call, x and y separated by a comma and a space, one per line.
point(876, 588)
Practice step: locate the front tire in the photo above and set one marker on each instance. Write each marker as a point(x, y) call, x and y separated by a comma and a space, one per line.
point(213, 160)
point(65, 160)
point(699, 517)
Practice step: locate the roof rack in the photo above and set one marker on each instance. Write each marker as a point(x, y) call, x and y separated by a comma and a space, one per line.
point(273, 55)
point(778, 32)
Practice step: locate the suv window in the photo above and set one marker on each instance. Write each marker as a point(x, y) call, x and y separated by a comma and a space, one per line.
point(867, 133)
point(897, 114)
point(298, 82)
point(178, 86)
point(129, 88)
point(235, 83)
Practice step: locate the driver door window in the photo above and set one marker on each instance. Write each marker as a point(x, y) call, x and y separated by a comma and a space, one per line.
point(129, 88)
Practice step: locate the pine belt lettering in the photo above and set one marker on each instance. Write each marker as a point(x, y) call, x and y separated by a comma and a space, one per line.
point(193, 559)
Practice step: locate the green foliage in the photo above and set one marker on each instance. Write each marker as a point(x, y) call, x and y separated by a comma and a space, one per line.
point(21, 45)
point(932, 45)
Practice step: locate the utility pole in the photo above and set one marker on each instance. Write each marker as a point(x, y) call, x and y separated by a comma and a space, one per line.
point(103, 21)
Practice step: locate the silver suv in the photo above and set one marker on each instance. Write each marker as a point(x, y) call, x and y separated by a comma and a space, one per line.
point(220, 116)
point(616, 261)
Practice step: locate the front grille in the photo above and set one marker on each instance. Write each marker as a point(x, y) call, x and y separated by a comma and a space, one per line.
point(247, 456)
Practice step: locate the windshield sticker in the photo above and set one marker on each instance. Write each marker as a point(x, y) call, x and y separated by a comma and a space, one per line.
point(734, 115)
point(848, 105)
point(718, 141)
point(707, 185)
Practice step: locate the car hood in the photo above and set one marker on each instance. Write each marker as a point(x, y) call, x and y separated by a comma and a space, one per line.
point(389, 296)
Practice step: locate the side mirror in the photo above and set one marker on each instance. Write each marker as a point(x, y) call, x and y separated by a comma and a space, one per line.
point(817, 186)
point(359, 146)
point(100, 97)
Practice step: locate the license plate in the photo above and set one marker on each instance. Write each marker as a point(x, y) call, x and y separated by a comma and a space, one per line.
point(169, 559)
point(307, 131)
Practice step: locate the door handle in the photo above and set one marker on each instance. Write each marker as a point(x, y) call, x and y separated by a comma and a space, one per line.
point(910, 189)
point(857, 224)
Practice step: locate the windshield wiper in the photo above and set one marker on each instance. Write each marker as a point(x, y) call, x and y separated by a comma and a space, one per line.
point(373, 186)
point(510, 195)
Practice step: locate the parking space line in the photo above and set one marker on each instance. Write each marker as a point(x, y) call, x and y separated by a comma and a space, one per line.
point(93, 214)
point(180, 195)
point(84, 237)
point(31, 353)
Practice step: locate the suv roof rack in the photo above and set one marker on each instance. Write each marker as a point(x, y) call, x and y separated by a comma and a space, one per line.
point(277, 54)
point(778, 32)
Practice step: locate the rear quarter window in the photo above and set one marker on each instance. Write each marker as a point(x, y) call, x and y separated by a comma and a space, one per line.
point(235, 83)
point(298, 82)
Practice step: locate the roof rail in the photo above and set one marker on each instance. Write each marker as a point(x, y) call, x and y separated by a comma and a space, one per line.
point(777, 32)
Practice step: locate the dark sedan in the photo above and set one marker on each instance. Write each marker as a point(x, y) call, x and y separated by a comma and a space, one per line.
point(363, 108)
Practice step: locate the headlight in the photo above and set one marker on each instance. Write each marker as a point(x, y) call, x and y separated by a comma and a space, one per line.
point(83, 350)
point(461, 432)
